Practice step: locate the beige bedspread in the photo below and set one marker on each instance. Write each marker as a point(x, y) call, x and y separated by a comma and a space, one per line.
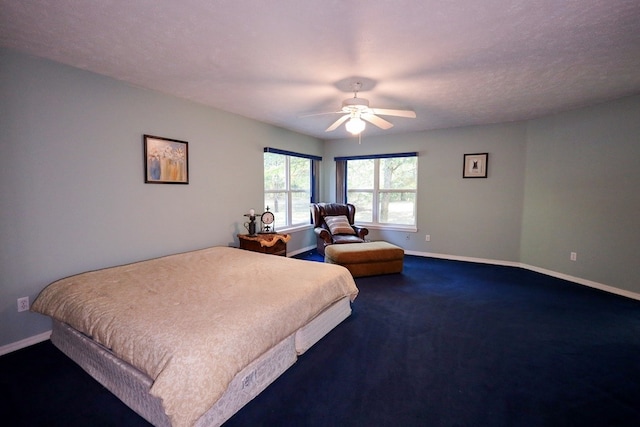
point(192, 321)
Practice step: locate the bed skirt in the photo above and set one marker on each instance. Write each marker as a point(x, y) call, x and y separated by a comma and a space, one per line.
point(132, 386)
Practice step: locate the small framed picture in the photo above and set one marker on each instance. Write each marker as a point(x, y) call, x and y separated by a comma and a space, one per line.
point(475, 165)
point(166, 161)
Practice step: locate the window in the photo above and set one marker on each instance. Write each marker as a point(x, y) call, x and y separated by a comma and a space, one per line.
point(290, 185)
point(383, 188)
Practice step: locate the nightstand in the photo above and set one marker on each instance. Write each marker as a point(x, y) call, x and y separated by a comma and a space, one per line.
point(272, 243)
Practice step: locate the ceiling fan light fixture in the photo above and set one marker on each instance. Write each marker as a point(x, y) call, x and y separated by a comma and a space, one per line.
point(355, 125)
point(355, 111)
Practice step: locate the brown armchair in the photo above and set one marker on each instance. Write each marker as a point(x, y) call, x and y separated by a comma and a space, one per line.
point(349, 233)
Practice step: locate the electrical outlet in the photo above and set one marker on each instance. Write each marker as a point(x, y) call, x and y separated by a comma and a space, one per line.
point(427, 238)
point(573, 256)
point(23, 304)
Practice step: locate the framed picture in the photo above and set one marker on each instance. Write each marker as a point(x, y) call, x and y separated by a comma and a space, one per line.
point(475, 165)
point(166, 161)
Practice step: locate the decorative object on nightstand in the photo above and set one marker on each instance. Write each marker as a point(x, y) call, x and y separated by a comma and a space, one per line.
point(251, 225)
point(266, 220)
point(272, 243)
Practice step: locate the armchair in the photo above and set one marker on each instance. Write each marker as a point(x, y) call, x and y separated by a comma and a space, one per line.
point(343, 232)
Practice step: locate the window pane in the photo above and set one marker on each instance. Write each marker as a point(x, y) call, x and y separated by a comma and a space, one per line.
point(397, 208)
point(363, 201)
point(383, 189)
point(274, 172)
point(277, 203)
point(300, 171)
point(300, 207)
point(360, 174)
point(398, 173)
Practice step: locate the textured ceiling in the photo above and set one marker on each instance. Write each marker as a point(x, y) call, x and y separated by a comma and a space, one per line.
point(455, 63)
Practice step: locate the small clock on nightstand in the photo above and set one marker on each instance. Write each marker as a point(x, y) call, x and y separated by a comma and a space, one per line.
point(266, 222)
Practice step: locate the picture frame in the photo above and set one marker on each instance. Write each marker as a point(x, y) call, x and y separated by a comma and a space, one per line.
point(166, 161)
point(475, 165)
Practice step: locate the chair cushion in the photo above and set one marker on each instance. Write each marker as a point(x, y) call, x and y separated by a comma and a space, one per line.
point(346, 238)
point(339, 224)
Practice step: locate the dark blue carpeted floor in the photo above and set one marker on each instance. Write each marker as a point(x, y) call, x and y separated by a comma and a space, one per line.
point(445, 343)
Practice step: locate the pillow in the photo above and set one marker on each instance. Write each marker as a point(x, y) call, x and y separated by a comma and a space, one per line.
point(338, 224)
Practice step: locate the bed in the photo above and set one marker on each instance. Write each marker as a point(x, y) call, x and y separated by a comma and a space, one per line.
point(188, 339)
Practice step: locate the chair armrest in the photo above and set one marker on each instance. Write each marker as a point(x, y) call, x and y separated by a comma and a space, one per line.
point(361, 231)
point(323, 233)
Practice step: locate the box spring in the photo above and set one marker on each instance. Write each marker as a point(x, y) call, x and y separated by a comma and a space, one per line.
point(132, 386)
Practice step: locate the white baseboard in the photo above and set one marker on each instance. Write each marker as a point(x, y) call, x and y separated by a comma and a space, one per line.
point(464, 258)
point(578, 280)
point(585, 282)
point(25, 343)
point(299, 251)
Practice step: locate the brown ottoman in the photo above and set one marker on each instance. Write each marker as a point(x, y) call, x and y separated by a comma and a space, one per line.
point(366, 259)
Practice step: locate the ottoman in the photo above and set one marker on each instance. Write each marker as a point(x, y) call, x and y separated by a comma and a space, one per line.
point(366, 259)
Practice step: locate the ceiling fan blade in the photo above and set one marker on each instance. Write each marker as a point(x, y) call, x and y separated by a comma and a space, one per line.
point(398, 113)
point(321, 114)
point(337, 123)
point(378, 121)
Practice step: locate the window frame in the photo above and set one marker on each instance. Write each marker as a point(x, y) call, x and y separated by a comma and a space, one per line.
point(313, 182)
point(342, 191)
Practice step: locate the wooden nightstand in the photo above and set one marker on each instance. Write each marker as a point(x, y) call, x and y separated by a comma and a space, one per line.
point(273, 244)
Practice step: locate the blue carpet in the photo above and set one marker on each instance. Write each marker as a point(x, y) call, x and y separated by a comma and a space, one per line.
point(445, 343)
point(450, 343)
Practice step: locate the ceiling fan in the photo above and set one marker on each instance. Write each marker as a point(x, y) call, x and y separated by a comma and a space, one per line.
point(356, 111)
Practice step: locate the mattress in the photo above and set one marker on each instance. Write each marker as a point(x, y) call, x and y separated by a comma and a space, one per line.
point(312, 332)
point(191, 322)
point(132, 386)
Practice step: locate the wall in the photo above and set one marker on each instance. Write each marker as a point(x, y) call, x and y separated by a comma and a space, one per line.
point(73, 193)
point(73, 196)
point(581, 193)
point(477, 218)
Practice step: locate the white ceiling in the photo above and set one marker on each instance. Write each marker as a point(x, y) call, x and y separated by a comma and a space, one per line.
point(456, 63)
